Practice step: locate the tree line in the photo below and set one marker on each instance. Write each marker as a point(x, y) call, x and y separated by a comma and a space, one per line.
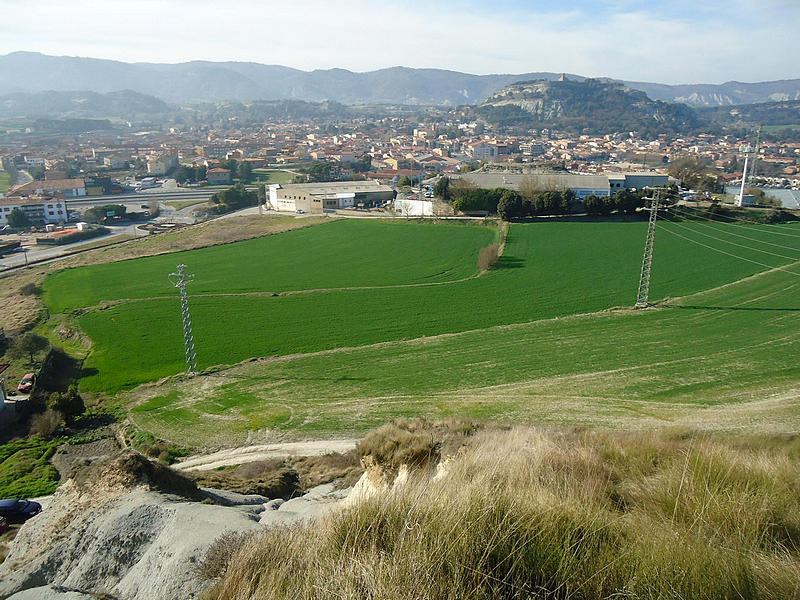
point(236, 197)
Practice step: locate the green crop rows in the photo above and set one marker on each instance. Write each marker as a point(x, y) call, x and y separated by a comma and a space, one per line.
point(409, 282)
point(695, 363)
point(344, 253)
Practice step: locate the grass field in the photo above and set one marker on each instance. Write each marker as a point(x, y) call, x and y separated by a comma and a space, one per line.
point(273, 175)
point(699, 362)
point(548, 270)
point(181, 204)
point(778, 128)
point(5, 182)
point(345, 253)
point(24, 468)
point(495, 346)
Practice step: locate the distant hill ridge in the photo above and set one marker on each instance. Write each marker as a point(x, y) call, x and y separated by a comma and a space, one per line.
point(199, 81)
point(81, 104)
point(599, 106)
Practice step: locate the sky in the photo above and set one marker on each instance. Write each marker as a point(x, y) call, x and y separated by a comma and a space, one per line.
point(662, 41)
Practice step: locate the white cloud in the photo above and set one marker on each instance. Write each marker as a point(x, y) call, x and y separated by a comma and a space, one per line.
point(670, 43)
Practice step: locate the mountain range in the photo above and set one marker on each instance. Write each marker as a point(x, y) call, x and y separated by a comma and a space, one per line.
point(205, 81)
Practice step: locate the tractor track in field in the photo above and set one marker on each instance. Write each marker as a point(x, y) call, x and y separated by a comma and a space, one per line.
point(106, 304)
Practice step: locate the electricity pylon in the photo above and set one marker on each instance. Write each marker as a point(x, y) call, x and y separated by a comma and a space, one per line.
point(179, 279)
point(647, 259)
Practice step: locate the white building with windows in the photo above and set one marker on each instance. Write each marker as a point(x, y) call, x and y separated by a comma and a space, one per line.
point(38, 209)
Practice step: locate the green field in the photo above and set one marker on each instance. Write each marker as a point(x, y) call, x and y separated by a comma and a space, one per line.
point(337, 254)
point(5, 182)
point(399, 325)
point(719, 360)
point(548, 270)
point(274, 175)
point(181, 204)
point(779, 128)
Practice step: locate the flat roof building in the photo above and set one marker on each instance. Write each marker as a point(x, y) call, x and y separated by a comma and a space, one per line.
point(327, 197)
point(38, 209)
point(70, 188)
point(581, 185)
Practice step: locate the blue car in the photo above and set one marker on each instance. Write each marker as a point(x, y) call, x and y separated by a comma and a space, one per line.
point(15, 509)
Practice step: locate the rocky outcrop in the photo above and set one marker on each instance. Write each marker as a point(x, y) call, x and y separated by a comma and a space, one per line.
point(132, 529)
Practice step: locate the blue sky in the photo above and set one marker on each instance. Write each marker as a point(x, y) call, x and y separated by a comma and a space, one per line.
point(666, 41)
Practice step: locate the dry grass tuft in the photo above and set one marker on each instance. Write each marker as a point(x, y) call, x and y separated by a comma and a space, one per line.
point(413, 442)
point(344, 469)
point(488, 256)
point(270, 478)
point(531, 513)
point(279, 478)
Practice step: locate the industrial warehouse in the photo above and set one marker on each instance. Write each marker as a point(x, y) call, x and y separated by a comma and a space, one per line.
point(581, 185)
point(322, 197)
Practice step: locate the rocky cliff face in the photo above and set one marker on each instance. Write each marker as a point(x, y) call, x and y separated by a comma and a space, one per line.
point(132, 529)
point(594, 105)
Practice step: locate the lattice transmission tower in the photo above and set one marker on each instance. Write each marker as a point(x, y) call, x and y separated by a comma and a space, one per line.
point(180, 279)
point(647, 259)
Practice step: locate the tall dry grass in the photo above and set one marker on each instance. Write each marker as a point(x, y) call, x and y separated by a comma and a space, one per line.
point(532, 513)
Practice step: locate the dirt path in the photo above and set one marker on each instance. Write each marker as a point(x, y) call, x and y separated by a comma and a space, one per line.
point(246, 454)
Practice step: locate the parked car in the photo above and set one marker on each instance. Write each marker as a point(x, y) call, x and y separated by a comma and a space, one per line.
point(16, 509)
point(26, 383)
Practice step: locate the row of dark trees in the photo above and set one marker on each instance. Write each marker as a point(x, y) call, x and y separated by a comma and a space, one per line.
point(509, 204)
point(236, 197)
point(513, 206)
point(623, 202)
point(243, 170)
point(191, 174)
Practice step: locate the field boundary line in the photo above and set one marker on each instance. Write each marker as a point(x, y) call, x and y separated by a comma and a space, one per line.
point(103, 305)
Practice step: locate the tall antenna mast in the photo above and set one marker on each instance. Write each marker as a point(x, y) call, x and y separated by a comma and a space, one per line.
point(755, 153)
point(647, 259)
point(179, 279)
point(740, 197)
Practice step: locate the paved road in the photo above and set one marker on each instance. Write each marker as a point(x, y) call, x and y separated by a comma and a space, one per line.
point(138, 198)
point(17, 259)
point(37, 253)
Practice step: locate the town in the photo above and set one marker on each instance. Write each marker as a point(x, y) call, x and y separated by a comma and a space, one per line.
point(400, 152)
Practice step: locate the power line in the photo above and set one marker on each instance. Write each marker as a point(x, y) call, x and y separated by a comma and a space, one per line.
point(179, 279)
point(739, 235)
point(755, 262)
point(737, 221)
point(794, 258)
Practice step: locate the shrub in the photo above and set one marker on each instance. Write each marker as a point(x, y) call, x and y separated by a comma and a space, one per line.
point(46, 424)
point(272, 479)
point(30, 289)
point(69, 403)
point(488, 256)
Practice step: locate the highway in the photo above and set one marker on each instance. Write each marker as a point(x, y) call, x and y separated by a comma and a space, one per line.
point(139, 198)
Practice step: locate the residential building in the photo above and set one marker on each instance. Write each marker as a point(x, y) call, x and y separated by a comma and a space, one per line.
point(161, 164)
point(218, 176)
point(69, 188)
point(39, 209)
